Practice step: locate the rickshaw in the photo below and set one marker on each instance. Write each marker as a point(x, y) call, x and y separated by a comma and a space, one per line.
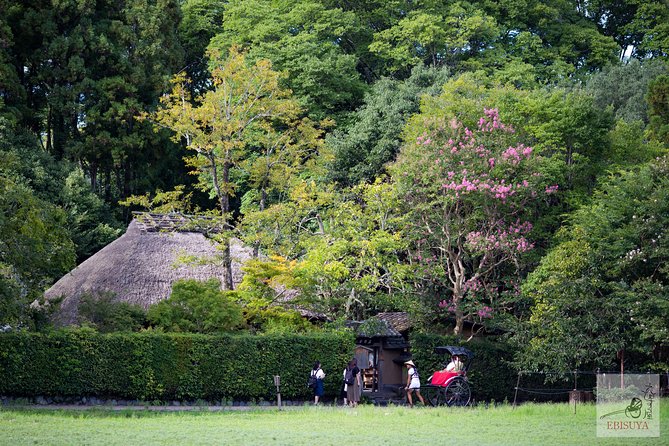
point(450, 388)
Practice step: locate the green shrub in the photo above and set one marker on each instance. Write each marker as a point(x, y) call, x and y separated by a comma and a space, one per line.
point(200, 307)
point(167, 366)
point(106, 315)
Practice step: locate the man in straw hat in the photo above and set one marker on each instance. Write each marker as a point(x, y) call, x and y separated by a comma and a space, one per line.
point(413, 382)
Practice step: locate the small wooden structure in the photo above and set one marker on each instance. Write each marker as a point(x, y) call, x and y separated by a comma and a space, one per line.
point(382, 347)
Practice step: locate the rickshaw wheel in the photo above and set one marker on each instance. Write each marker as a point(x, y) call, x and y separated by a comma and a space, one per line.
point(457, 393)
point(434, 395)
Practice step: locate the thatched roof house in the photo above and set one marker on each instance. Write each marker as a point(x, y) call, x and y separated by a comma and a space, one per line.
point(140, 266)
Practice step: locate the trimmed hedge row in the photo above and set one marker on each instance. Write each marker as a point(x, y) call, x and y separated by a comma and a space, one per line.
point(159, 366)
point(490, 375)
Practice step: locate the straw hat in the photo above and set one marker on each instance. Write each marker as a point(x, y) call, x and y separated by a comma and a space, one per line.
point(410, 362)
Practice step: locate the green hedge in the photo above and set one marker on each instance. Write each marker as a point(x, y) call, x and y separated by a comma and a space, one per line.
point(158, 366)
point(490, 375)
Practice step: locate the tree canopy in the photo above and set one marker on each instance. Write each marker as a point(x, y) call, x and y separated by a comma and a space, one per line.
point(493, 163)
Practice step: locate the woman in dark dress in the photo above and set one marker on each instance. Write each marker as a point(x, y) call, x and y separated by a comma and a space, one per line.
point(354, 389)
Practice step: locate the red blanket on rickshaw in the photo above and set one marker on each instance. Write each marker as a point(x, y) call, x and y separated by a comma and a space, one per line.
point(442, 378)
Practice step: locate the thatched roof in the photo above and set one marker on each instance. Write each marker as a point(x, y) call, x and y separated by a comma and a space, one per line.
point(140, 266)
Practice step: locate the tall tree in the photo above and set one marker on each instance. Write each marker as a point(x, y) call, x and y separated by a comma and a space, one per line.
point(604, 288)
point(307, 40)
point(219, 126)
point(658, 104)
point(363, 149)
point(87, 68)
point(638, 26)
point(202, 20)
point(12, 94)
point(467, 194)
point(624, 88)
point(35, 244)
point(436, 37)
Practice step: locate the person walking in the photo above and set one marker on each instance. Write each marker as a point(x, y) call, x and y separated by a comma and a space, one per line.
point(413, 383)
point(318, 373)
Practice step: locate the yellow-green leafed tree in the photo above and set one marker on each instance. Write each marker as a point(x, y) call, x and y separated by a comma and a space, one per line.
point(224, 126)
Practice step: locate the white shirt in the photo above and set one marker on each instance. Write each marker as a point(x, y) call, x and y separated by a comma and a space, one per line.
point(415, 380)
point(454, 366)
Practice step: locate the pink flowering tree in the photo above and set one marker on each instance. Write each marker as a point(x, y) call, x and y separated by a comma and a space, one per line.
point(470, 195)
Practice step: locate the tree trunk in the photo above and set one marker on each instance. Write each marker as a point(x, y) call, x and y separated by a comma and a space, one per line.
point(224, 200)
point(59, 136)
point(93, 174)
point(108, 183)
point(227, 266)
point(263, 201)
point(458, 295)
point(459, 322)
point(263, 198)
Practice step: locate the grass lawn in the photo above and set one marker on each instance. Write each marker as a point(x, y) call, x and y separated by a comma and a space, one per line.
point(531, 424)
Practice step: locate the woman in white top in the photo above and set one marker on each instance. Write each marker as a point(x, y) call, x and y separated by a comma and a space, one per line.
point(413, 383)
point(455, 365)
point(318, 372)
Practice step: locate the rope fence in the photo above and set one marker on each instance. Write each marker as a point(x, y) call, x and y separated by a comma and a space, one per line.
point(576, 394)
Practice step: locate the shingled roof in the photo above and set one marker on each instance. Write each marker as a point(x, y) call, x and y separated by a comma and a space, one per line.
point(398, 320)
point(140, 266)
point(383, 325)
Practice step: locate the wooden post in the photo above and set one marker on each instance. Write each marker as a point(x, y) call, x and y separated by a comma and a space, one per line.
point(621, 356)
point(277, 383)
point(576, 400)
point(515, 396)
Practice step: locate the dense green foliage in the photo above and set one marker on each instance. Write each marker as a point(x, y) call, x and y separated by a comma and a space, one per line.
point(155, 366)
point(106, 315)
point(199, 307)
point(298, 123)
point(607, 280)
point(374, 138)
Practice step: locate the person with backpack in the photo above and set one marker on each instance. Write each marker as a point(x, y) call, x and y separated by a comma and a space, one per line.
point(352, 381)
point(343, 394)
point(413, 383)
point(316, 377)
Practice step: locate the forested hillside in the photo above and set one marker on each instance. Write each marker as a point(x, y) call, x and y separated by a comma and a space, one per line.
point(496, 163)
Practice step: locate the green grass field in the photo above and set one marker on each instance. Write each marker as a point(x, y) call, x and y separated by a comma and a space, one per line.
point(531, 424)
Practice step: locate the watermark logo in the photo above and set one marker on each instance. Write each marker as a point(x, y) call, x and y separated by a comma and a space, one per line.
point(628, 405)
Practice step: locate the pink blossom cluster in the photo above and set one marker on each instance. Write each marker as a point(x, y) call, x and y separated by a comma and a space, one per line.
point(482, 151)
point(498, 189)
point(467, 142)
point(551, 189)
point(515, 155)
point(419, 257)
point(509, 239)
point(450, 306)
point(423, 140)
point(485, 312)
point(490, 122)
point(472, 285)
